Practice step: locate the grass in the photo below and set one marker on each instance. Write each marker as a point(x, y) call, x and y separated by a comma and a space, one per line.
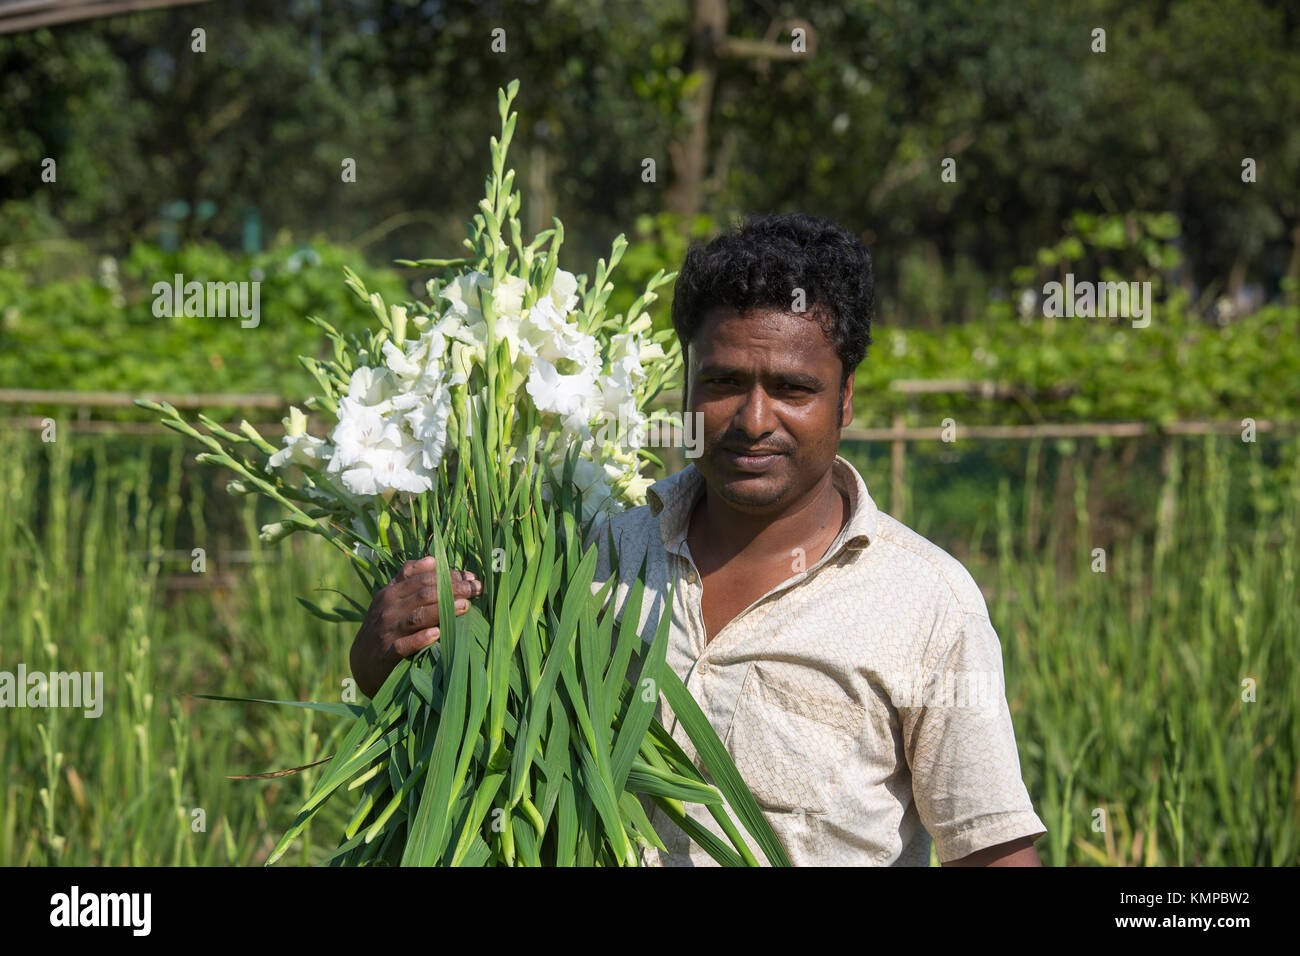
point(86, 566)
point(1126, 686)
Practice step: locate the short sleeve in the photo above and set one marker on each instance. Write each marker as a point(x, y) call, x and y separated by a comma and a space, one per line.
point(960, 744)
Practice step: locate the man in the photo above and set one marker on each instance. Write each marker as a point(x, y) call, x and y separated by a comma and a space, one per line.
point(847, 663)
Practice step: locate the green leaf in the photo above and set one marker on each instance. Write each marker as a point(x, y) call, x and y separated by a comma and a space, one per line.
point(601, 793)
point(700, 835)
point(643, 778)
point(338, 710)
point(641, 709)
point(719, 765)
point(484, 793)
point(429, 828)
point(562, 637)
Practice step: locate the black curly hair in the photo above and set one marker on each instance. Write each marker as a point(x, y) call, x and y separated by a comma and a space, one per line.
point(760, 264)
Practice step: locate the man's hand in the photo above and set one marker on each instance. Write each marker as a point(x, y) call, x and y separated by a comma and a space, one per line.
point(1019, 852)
point(403, 618)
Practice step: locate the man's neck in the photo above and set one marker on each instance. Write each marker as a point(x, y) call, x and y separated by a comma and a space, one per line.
point(818, 514)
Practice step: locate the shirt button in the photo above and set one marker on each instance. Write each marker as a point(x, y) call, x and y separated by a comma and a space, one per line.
point(704, 667)
point(692, 576)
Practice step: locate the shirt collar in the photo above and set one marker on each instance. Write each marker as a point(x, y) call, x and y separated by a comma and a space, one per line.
point(672, 500)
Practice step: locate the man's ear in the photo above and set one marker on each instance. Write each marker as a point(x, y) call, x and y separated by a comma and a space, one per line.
point(846, 402)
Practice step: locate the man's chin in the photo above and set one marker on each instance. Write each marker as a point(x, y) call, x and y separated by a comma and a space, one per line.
point(750, 492)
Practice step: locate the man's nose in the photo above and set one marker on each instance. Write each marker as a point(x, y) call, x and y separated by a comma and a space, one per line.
point(754, 417)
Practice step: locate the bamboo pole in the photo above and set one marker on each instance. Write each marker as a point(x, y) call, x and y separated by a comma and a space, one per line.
point(897, 463)
point(896, 435)
point(38, 396)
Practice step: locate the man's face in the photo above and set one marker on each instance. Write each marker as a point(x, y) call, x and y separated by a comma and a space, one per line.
point(767, 384)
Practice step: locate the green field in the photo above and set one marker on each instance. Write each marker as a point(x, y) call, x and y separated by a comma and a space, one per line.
point(1126, 686)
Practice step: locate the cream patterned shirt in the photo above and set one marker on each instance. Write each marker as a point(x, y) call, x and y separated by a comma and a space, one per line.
point(862, 700)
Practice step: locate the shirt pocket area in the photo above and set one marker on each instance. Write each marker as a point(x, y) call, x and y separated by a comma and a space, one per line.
point(790, 742)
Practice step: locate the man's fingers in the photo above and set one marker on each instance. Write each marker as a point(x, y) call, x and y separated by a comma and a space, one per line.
point(406, 646)
point(424, 612)
point(417, 566)
point(427, 564)
point(463, 584)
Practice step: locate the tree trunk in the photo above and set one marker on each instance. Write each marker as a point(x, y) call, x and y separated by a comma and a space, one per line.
point(689, 152)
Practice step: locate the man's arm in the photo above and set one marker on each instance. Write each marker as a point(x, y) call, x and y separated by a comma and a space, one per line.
point(961, 748)
point(1019, 852)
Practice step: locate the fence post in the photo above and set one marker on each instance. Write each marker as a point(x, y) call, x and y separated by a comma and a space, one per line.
point(897, 449)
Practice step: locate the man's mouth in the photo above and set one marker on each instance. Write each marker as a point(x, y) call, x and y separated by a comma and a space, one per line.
point(751, 459)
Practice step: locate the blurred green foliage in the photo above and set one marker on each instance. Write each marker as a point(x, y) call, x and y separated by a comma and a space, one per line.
point(657, 242)
point(87, 325)
point(1179, 367)
point(1038, 123)
point(95, 329)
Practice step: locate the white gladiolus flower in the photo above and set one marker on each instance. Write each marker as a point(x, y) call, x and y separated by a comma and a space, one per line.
point(394, 424)
point(508, 296)
point(464, 357)
point(588, 478)
point(371, 387)
point(620, 382)
point(631, 425)
point(546, 333)
point(407, 364)
point(462, 294)
point(543, 322)
point(425, 383)
point(586, 473)
point(386, 469)
point(392, 429)
point(565, 372)
point(507, 302)
point(420, 368)
point(619, 388)
point(306, 450)
point(576, 397)
point(299, 447)
point(451, 325)
point(597, 499)
point(563, 291)
point(625, 350)
point(361, 430)
point(428, 424)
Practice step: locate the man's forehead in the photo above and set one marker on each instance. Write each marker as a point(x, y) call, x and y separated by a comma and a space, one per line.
point(771, 315)
point(794, 336)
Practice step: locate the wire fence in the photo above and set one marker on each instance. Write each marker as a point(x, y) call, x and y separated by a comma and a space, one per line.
point(900, 434)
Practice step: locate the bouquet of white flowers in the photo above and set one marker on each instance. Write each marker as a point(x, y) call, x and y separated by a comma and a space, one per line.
point(477, 428)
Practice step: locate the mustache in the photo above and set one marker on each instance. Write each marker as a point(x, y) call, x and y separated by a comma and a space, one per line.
point(744, 448)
